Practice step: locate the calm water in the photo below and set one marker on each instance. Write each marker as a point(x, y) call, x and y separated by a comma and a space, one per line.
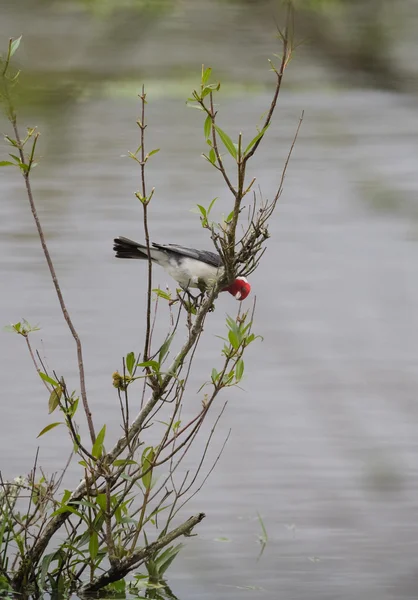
point(324, 436)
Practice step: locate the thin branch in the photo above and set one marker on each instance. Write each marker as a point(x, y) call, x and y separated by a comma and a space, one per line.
point(145, 201)
point(118, 572)
point(287, 52)
point(286, 164)
point(26, 177)
point(31, 480)
point(212, 115)
point(208, 474)
point(35, 363)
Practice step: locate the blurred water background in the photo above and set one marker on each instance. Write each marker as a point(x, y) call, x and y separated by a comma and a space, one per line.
point(324, 436)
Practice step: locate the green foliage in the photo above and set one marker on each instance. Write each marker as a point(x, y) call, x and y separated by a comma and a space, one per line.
point(256, 139)
point(14, 46)
point(130, 362)
point(207, 127)
point(97, 449)
point(239, 338)
point(228, 143)
point(22, 328)
point(204, 214)
point(48, 379)
point(147, 466)
point(154, 582)
point(162, 294)
point(116, 589)
point(48, 428)
point(54, 399)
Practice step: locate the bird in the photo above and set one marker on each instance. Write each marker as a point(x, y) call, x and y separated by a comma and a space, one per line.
point(191, 268)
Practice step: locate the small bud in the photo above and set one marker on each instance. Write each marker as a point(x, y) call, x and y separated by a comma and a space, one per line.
point(120, 382)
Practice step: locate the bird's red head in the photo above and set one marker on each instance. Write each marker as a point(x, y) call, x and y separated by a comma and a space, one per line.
point(239, 289)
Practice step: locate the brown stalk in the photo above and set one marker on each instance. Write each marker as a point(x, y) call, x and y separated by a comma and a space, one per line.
point(145, 201)
point(26, 177)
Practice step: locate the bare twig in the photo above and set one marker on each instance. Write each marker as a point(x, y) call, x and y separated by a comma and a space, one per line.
point(35, 363)
point(145, 201)
point(287, 49)
point(26, 177)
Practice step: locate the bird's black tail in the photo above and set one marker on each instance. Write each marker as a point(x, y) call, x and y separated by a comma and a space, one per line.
point(126, 248)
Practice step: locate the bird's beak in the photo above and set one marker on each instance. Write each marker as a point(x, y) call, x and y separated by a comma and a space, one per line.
point(238, 295)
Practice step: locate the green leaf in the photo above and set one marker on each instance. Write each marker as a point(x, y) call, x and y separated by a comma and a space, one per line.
point(155, 366)
point(130, 362)
point(202, 209)
point(73, 408)
point(239, 369)
point(14, 46)
point(197, 106)
point(11, 141)
point(212, 156)
point(6, 163)
point(214, 375)
point(228, 143)
point(233, 340)
point(46, 562)
point(48, 428)
point(211, 205)
point(162, 294)
point(255, 140)
point(206, 75)
point(97, 449)
point(117, 586)
point(84, 503)
point(153, 152)
point(207, 128)
point(54, 399)
point(123, 461)
point(166, 558)
point(101, 501)
point(76, 444)
point(93, 544)
point(147, 458)
point(67, 508)
point(229, 217)
point(66, 496)
point(49, 380)
point(164, 348)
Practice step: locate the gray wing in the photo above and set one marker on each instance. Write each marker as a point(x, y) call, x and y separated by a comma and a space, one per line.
point(211, 258)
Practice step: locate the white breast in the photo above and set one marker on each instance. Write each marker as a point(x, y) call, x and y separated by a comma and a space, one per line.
point(190, 271)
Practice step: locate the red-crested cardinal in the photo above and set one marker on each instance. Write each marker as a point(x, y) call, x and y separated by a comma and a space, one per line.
point(188, 266)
